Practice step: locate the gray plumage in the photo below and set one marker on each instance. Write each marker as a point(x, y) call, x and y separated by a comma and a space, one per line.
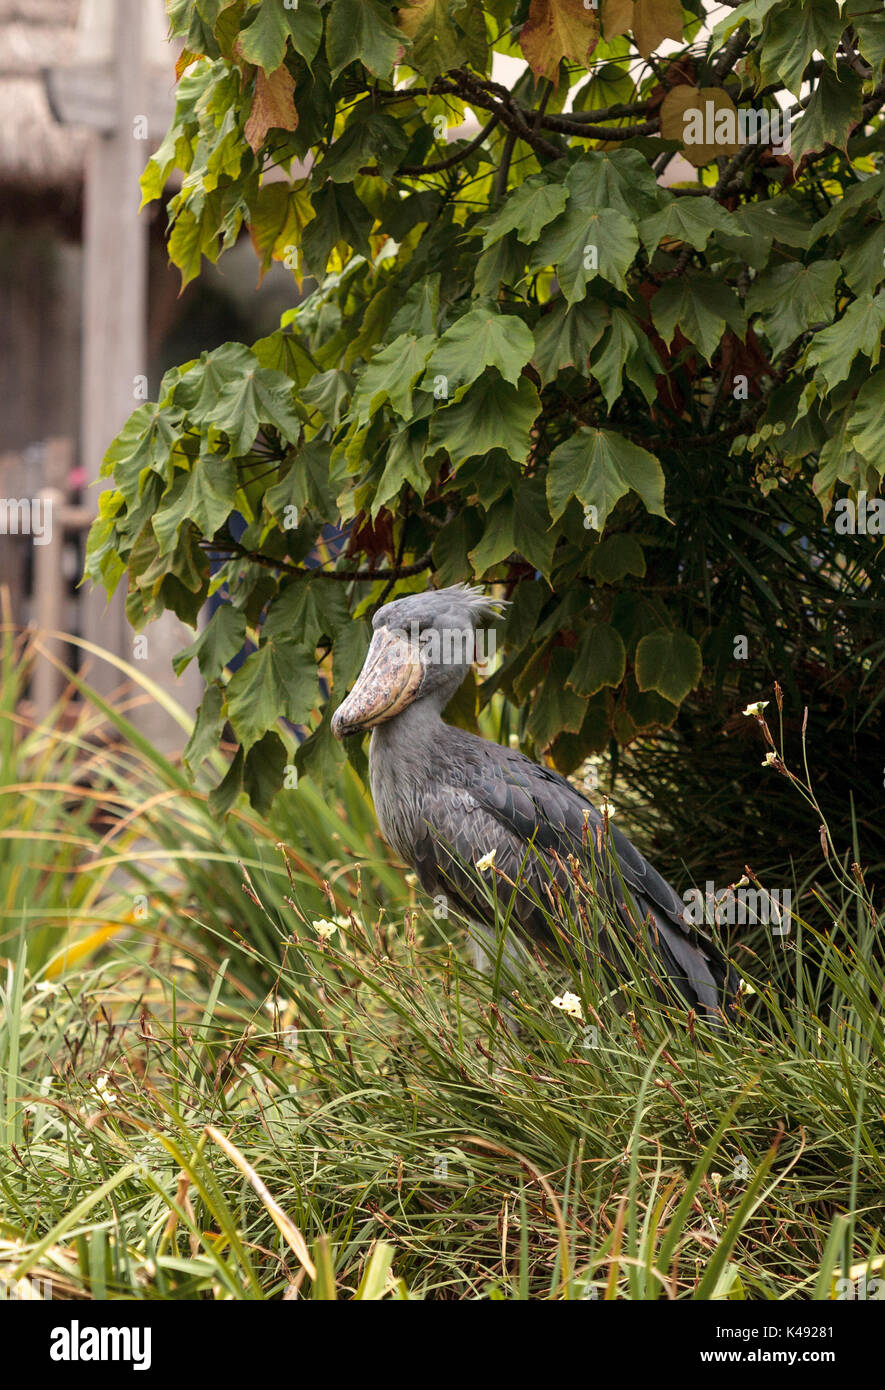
point(444, 798)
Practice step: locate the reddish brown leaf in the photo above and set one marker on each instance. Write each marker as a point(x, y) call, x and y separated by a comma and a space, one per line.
point(272, 105)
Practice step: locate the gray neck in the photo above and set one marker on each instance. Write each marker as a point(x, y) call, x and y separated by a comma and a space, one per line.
point(402, 753)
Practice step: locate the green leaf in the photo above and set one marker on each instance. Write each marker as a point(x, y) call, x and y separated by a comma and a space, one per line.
point(863, 263)
point(305, 611)
point(259, 397)
point(279, 679)
point(585, 242)
point(492, 415)
point(223, 636)
point(599, 467)
point(692, 220)
point(223, 797)
point(831, 114)
point(479, 339)
point(207, 730)
point(601, 660)
point(616, 557)
point(866, 422)
point(860, 329)
point(556, 708)
point(369, 139)
point(361, 31)
point(444, 36)
point(792, 33)
point(779, 218)
point(626, 350)
point(390, 376)
point(792, 297)
point(340, 219)
point(565, 337)
point(868, 19)
point(618, 179)
point(205, 495)
point(527, 210)
point(264, 771)
point(700, 305)
point(668, 661)
point(268, 28)
point(520, 523)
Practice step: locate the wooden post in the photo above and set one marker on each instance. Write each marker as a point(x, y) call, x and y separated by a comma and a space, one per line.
point(127, 108)
point(48, 600)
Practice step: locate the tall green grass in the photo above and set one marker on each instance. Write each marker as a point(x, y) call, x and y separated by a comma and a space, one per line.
point(216, 1100)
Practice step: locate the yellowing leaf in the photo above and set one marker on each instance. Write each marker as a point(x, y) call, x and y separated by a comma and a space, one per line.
point(557, 29)
point(710, 111)
point(651, 21)
point(272, 105)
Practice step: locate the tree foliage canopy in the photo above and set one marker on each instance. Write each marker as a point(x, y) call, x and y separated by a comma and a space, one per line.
point(523, 359)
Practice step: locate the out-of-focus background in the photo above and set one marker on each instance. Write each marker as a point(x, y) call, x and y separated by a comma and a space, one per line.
point(91, 313)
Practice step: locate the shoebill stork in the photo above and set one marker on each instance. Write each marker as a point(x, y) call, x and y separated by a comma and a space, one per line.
point(446, 798)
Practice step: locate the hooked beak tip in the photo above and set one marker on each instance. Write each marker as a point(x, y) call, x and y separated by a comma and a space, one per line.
point(391, 677)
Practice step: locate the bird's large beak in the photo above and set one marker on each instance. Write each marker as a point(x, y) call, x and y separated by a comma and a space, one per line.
point(390, 679)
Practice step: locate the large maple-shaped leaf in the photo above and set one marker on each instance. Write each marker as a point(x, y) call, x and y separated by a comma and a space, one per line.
point(204, 495)
point(259, 397)
point(527, 210)
point(792, 33)
point(601, 660)
point(444, 36)
point(557, 29)
point(685, 108)
point(792, 297)
point(271, 27)
point(692, 220)
point(223, 636)
point(585, 242)
point(599, 467)
point(492, 415)
point(556, 707)
point(362, 31)
point(651, 21)
point(280, 679)
point(617, 179)
point(517, 523)
point(565, 337)
point(625, 351)
point(860, 329)
point(479, 339)
point(865, 427)
point(339, 218)
point(272, 106)
point(670, 662)
point(701, 306)
point(390, 376)
point(831, 114)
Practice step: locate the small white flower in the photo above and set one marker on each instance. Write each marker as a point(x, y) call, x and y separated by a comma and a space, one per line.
point(755, 711)
point(744, 987)
point(607, 808)
point(412, 880)
point(570, 1004)
point(102, 1090)
point(486, 862)
point(586, 813)
point(513, 740)
point(770, 760)
point(325, 929)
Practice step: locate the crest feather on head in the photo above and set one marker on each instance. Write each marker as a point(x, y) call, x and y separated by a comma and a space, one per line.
point(477, 599)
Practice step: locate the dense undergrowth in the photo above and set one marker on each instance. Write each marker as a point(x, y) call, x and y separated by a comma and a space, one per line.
point(203, 1093)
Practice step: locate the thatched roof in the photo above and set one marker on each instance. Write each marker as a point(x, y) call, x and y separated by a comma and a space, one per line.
point(37, 155)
